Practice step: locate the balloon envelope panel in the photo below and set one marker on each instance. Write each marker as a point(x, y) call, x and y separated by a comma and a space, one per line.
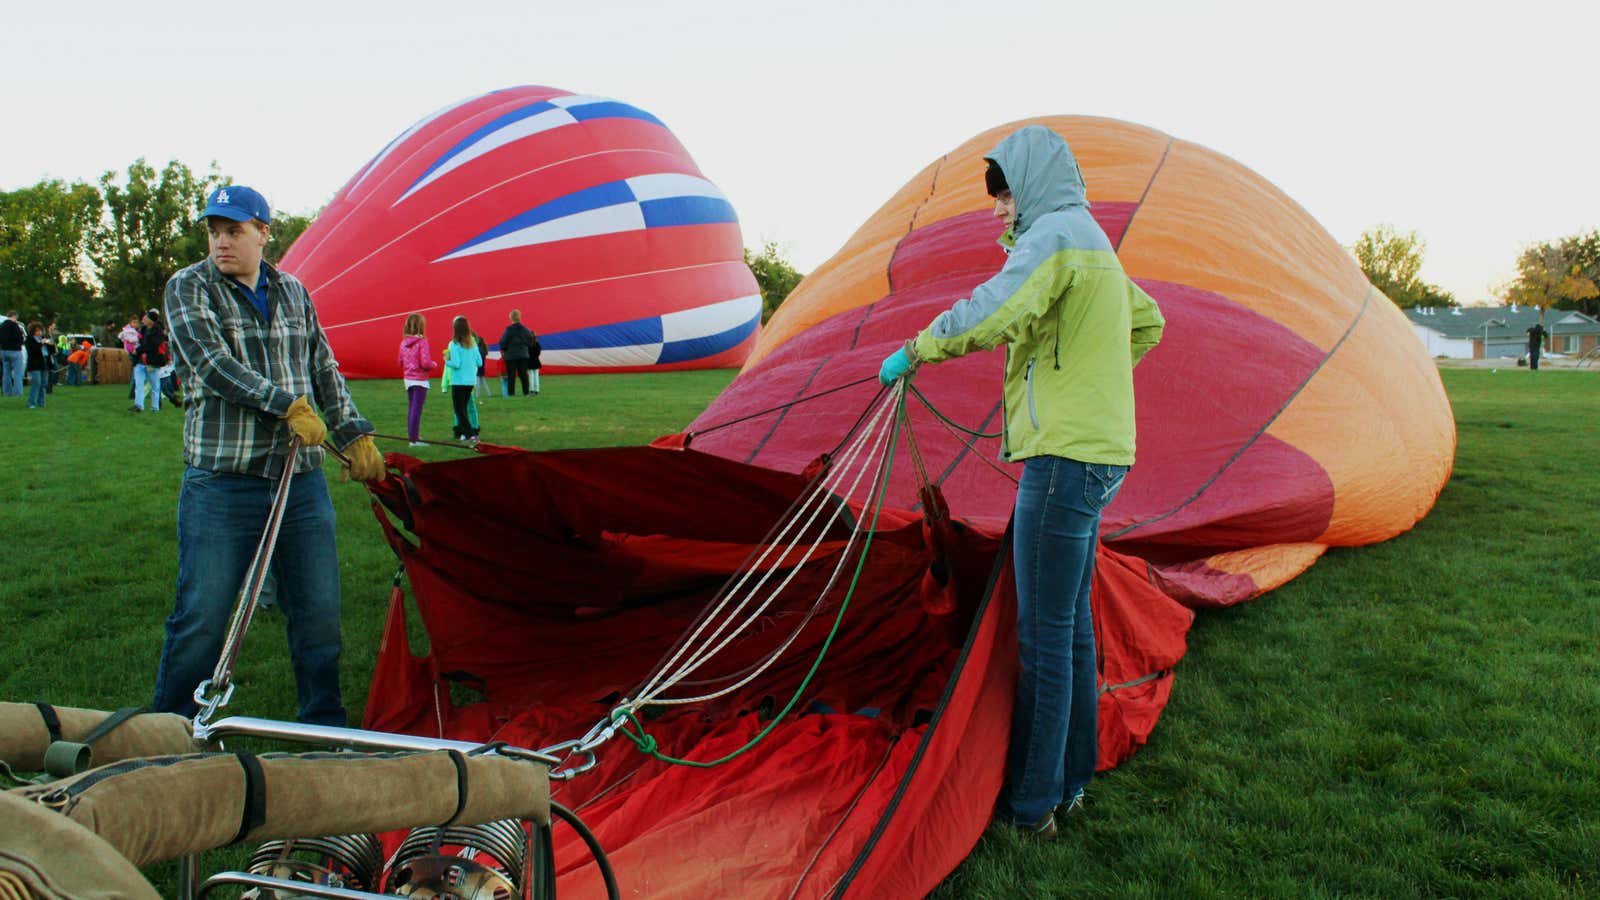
point(584, 213)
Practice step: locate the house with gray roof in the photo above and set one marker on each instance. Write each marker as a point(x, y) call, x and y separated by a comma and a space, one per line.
point(1486, 332)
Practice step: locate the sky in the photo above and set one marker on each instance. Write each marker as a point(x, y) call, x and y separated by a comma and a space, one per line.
point(1471, 123)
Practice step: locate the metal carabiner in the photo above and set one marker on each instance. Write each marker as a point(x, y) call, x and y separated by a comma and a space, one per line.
point(565, 772)
point(562, 771)
point(596, 737)
point(56, 800)
point(209, 705)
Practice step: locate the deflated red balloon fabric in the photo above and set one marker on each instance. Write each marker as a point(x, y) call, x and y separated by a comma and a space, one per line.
point(1286, 410)
point(549, 585)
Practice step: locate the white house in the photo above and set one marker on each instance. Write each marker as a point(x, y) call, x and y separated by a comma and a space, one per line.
point(1485, 332)
point(1441, 338)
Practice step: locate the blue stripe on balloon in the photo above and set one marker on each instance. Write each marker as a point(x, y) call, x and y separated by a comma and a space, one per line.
point(709, 345)
point(611, 110)
point(668, 211)
point(615, 334)
point(515, 115)
point(601, 195)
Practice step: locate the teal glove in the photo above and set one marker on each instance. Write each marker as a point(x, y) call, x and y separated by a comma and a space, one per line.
point(895, 366)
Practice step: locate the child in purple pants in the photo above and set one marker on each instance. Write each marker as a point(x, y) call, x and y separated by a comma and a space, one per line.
point(415, 363)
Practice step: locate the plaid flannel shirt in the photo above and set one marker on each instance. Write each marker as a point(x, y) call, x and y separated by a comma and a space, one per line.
point(241, 372)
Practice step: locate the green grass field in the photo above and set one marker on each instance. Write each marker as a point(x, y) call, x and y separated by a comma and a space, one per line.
point(1417, 718)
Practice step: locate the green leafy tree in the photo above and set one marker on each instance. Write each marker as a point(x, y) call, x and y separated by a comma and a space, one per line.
point(286, 229)
point(1560, 273)
point(149, 230)
point(1433, 295)
point(1584, 252)
point(776, 276)
point(1392, 261)
point(44, 231)
point(1565, 273)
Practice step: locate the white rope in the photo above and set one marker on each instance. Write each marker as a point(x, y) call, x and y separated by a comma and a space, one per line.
point(824, 489)
point(728, 591)
point(876, 431)
point(844, 557)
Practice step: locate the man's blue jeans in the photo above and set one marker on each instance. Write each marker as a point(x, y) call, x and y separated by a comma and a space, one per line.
point(12, 363)
point(1054, 723)
point(220, 520)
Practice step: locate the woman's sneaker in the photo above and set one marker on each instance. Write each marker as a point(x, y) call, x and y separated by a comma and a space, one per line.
point(1075, 805)
point(1043, 830)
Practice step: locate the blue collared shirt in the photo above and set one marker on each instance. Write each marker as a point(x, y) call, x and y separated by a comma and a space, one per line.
point(257, 295)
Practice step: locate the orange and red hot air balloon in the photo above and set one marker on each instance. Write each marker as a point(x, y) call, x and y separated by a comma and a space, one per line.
point(1288, 408)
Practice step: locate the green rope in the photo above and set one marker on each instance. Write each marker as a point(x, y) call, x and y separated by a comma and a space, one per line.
point(647, 744)
point(7, 774)
point(948, 421)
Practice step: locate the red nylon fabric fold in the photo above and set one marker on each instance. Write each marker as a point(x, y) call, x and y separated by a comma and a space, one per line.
point(553, 582)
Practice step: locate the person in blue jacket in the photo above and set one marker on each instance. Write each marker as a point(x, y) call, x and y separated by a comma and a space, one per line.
point(463, 358)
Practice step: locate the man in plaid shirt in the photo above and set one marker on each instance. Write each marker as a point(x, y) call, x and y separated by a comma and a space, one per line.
point(252, 357)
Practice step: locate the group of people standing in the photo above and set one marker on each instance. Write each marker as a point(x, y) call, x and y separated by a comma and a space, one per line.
point(464, 362)
point(32, 353)
point(25, 350)
point(37, 352)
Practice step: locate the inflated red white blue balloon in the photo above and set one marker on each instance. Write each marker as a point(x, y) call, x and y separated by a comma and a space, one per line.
point(583, 212)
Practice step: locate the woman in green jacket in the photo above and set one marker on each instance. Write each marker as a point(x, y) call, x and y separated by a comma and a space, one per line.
point(1075, 325)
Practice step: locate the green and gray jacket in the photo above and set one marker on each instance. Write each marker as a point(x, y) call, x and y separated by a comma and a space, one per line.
point(1075, 323)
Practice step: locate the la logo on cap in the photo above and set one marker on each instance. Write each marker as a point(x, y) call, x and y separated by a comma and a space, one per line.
point(222, 197)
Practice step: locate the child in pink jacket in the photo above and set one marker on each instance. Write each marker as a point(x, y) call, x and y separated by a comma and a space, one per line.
point(415, 363)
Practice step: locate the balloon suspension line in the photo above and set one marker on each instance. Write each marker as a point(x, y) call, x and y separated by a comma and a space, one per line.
point(735, 608)
point(734, 622)
point(780, 407)
point(957, 431)
point(215, 692)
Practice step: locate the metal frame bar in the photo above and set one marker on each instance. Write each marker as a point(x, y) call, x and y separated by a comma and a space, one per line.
point(353, 738)
point(284, 886)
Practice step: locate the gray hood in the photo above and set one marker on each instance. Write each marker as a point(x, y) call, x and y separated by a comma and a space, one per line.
point(1041, 171)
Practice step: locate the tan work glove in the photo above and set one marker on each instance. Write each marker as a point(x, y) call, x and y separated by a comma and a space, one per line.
point(366, 463)
point(305, 423)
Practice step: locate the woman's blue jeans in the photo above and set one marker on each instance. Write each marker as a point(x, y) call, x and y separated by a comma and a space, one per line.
point(147, 377)
point(220, 520)
point(1053, 725)
point(38, 384)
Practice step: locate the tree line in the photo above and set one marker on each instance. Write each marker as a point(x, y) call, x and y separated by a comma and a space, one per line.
point(88, 253)
point(1559, 274)
point(84, 254)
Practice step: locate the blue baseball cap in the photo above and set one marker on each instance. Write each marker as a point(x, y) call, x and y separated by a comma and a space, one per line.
point(239, 203)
